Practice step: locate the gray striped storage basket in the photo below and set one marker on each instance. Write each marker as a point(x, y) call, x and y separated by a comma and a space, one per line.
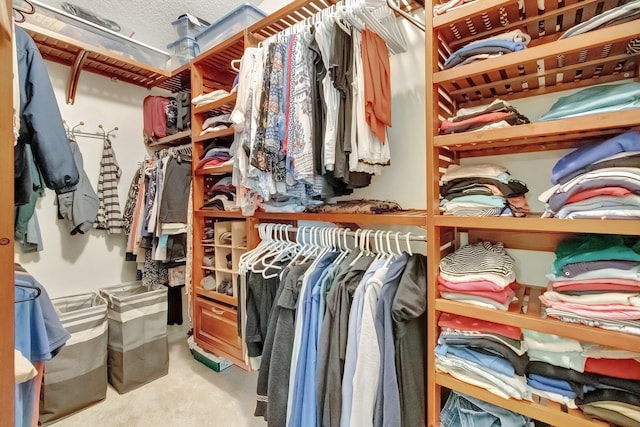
point(77, 376)
point(138, 348)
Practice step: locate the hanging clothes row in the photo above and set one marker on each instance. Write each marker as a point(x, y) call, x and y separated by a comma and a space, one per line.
point(330, 315)
point(313, 107)
point(156, 219)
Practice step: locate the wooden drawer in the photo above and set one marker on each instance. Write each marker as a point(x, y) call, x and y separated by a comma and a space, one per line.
point(216, 325)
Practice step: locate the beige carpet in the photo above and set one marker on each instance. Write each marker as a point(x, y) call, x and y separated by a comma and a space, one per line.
point(191, 395)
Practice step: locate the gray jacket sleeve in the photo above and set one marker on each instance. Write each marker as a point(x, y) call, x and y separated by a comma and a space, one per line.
point(41, 124)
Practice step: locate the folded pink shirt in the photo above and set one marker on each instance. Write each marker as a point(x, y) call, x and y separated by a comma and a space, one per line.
point(604, 312)
point(503, 296)
point(473, 285)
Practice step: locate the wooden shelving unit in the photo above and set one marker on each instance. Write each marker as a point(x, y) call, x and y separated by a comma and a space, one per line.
point(548, 65)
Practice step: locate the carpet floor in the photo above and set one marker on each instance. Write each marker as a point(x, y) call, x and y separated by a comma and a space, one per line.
point(190, 395)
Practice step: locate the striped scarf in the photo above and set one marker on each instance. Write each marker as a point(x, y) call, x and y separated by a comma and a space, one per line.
point(109, 217)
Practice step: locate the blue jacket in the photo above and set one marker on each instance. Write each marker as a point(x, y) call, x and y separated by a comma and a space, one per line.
point(40, 125)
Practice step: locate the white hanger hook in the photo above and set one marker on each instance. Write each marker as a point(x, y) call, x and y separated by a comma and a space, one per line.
point(408, 236)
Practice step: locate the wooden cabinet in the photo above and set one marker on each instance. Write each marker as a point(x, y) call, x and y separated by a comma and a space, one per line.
point(548, 65)
point(217, 329)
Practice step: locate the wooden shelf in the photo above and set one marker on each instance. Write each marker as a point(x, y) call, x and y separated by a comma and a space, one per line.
point(412, 217)
point(470, 13)
point(81, 56)
point(540, 136)
point(221, 106)
point(212, 135)
point(542, 225)
point(233, 301)
point(549, 412)
point(526, 313)
point(218, 214)
point(222, 170)
point(175, 139)
point(538, 70)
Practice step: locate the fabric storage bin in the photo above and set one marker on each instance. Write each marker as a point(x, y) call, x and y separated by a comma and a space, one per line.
point(77, 376)
point(138, 351)
point(230, 24)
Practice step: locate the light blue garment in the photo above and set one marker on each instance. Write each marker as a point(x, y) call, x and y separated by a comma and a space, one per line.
point(355, 321)
point(495, 201)
point(39, 335)
point(387, 411)
point(596, 99)
point(486, 361)
point(592, 153)
point(303, 404)
point(466, 411)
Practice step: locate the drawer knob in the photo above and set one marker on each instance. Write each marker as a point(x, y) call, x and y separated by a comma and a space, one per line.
point(218, 312)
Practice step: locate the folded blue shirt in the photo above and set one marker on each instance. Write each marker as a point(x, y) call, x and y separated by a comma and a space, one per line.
point(592, 153)
point(544, 386)
point(485, 361)
point(482, 46)
point(601, 98)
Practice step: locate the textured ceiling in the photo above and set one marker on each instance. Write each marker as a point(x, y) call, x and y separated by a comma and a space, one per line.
point(150, 20)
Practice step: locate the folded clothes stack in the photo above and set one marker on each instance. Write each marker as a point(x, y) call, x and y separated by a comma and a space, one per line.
point(498, 114)
point(439, 9)
point(491, 47)
point(215, 157)
point(482, 190)
point(208, 98)
point(221, 196)
point(216, 123)
point(596, 100)
point(600, 180)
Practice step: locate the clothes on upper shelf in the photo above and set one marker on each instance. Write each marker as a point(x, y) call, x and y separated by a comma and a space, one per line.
point(341, 338)
point(356, 206)
point(500, 44)
point(597, 180)
point(214, 157)
point(618, 15)
point(439, 9)
point(497, 114)
point(221, 195)
point(307, 124)
point(39, 336)
point(208, 98)
point(595, 100)
point(216, 123)
point(482, 190)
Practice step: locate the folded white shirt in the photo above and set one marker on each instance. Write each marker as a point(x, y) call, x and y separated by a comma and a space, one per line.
point(209, 97)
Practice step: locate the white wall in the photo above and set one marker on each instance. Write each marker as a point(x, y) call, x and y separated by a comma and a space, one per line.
point(75, 264)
